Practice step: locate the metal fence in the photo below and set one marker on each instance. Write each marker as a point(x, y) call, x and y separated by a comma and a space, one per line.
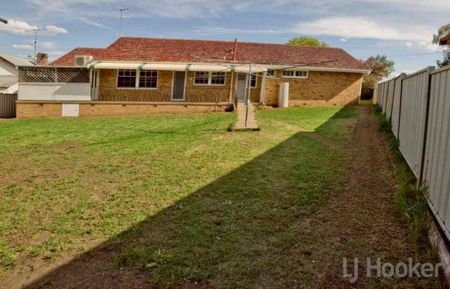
point(8, 105)
point(413, 118)
point(396, 104)
point(420, 119)
point(436, 175)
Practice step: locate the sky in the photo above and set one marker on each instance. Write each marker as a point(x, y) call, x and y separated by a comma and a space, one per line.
point(399, 29)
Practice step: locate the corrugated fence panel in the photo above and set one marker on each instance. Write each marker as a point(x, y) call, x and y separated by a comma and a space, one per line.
point(413, 118)
point(8, 105)
point(390, 98)
point(437, 156)
point(396, 105)
point(385, 91)
point(381, 95)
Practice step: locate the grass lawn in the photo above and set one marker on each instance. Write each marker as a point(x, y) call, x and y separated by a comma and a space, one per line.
point(179, 195)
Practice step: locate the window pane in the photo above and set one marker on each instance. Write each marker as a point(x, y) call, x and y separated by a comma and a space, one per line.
point(301, 73)
point(126, 78)
point(218, 78)
point(201, 77)
point(253, 81)
point(270, 72)
point(148, 78)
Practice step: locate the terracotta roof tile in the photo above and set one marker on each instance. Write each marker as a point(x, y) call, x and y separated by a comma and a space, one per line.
point(68, 59)
point(177, 50)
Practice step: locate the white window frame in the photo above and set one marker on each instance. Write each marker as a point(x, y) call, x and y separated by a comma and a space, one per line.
point(126, 88)
point(210, 79)
point(136, 86)
point(295, 74)
point(138, 80)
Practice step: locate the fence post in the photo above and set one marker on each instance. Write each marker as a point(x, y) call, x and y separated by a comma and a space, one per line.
point(427, 115)
point(400, 106)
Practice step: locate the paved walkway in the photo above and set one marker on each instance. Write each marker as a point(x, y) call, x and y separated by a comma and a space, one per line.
point(241, 115)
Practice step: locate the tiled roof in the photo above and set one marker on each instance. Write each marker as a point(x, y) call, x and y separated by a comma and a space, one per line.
point(68, 59)
point(177, 50)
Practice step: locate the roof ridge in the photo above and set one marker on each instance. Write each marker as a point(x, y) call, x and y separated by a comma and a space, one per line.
point(219, 41)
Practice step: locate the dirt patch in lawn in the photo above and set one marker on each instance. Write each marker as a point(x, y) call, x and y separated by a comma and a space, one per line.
point(361, 220)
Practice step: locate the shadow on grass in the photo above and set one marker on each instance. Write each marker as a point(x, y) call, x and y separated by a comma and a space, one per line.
point(235, 232)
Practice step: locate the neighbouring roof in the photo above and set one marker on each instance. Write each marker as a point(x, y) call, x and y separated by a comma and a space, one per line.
point(206, 51)
point(16, 60)
point(7, 80)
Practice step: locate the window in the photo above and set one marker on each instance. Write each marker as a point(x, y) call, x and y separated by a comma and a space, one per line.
point(301, 74)
point(271, 72)
point(253, 81)
point(218, 78)
point(209, 78)
point(201, 77)
point(126, 78)
point(148, 79)
point(295, 73)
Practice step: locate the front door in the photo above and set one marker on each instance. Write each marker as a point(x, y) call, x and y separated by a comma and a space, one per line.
point(241, 87)
point(179, 81)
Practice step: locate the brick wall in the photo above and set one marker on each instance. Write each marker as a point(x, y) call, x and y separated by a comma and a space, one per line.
point(255, 93)
point(324, 88)
point(36, 110)
point(320, 88)
point(26, 109)
point(207, 93)
point(272, 89)
point(108, 90)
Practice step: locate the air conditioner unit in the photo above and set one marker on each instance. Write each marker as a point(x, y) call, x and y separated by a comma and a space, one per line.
point(82, 60)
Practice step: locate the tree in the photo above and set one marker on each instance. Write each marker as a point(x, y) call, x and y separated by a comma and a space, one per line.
point(446, 51)
point(307, 41)
point(380, 67)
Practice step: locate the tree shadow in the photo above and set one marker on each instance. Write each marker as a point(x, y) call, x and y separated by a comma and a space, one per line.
point(237, 229)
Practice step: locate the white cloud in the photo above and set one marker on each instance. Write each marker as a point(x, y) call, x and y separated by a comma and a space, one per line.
point(47, 44)
point(429, 46)
point(18, 27)
point(343, 39)
point(55, 29)
point(23, 47)
point(94, 23)
point(210, 30)
point(419, 5)
point(362, 27)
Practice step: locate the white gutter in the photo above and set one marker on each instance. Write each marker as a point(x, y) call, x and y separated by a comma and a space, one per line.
point(326, 69)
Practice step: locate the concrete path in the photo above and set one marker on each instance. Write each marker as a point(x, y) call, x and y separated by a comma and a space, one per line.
point(241, 115)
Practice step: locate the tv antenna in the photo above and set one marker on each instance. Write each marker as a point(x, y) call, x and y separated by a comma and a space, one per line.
point(120, 19)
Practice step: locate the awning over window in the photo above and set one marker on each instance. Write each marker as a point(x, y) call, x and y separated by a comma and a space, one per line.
point(241, 68)
point(164, 66)
point(114, 65)
point(246, 69)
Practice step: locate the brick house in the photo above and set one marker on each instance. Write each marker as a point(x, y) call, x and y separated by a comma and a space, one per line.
point(210, 75)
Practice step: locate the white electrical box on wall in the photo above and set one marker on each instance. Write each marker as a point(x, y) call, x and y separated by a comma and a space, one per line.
point(70, 109)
